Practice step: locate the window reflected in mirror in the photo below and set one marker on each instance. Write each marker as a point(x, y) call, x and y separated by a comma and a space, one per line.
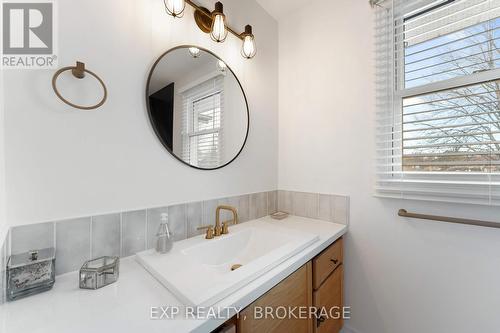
point(197, 108)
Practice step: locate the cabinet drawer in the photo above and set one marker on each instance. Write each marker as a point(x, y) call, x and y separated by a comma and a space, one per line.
point(293, 292)
point(326, 262)
point(329, 297)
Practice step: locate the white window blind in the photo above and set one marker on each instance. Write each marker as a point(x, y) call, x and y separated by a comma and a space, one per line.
point(438, 100)
point(202, 121)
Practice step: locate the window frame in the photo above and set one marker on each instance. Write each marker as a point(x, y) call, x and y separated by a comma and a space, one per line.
point(189, 133)
point(391, 180)
point(400, 92)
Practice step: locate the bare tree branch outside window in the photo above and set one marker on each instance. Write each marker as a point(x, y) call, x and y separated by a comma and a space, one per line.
point(456, 130)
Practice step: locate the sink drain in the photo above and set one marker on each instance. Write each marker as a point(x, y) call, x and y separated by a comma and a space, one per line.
point(235, 266)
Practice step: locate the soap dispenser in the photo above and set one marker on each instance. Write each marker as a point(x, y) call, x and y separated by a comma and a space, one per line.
point(164, 241)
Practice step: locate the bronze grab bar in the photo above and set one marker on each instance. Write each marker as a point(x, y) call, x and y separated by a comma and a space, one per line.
point(404, 213)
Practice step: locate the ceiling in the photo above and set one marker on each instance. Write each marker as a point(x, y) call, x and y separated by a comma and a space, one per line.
point(278, 8)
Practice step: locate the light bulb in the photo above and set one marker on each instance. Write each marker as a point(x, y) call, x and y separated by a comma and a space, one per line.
point(194, 51)
point(219, 31)
point(222, 66)
point(175, 8)
point(248, 48)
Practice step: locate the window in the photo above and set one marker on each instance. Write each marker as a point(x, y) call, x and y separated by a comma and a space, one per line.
point(455, 130)
point(438, 99)
point(202, 124)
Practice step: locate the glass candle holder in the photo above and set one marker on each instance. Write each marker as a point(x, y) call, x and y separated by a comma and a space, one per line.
point(99, 272)
point(30, 273)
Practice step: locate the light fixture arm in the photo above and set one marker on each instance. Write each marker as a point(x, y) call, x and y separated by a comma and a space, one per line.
point(208, 15)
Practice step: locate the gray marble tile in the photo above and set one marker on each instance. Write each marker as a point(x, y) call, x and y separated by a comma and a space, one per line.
point(8, 244)
point(106, 235)
point(209, 208)
point(153, 223)
point(312, 205)
point(285, 202)
point(299, 204)
point(133, 232)
point(272, 202)
point(4, 256)
point(177, 221)
point(325, 207)
point(231, 201)
point(32, 237)
point(2, 280)
point(340, 206)
point(243, 208)
point(258, 205)
point(242, 205)
point(72, 244)
point(194, 218)
point(305, 204)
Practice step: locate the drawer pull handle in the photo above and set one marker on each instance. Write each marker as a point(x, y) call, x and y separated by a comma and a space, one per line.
point(335, 261)
point(319, 320)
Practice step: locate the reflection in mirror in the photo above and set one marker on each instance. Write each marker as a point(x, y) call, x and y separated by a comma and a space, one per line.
point(197, 107)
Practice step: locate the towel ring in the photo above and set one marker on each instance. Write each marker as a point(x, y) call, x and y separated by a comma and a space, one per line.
point(79, 71)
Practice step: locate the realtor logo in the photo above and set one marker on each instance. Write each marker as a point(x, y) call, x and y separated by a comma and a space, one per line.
point(28, 34)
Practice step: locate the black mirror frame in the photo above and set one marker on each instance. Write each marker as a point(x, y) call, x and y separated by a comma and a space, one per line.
point(151, 117)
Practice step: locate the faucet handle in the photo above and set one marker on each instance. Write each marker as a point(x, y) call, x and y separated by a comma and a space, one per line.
point(210, 231)
point(225, 226)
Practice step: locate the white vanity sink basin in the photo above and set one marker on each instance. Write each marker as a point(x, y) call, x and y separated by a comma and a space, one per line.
point(198, 271)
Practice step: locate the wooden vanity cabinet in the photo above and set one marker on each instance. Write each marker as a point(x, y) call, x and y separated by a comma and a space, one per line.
point(326, 262)
point(319, 284)
point(294, 291)
point(328, 273)
point(329, 296)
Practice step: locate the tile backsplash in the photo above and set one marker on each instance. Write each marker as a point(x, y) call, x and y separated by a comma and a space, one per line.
point(72, 244)
point(33, 236)
point(4, 255)
point(126, 233)
point(327, 207)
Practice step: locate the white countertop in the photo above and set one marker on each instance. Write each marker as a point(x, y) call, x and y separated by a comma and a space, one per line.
point(125, 306)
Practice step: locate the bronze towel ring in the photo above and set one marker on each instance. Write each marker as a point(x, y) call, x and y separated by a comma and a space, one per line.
point(79, 71)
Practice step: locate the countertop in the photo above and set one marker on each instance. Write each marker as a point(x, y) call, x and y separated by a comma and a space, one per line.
point(126, 305)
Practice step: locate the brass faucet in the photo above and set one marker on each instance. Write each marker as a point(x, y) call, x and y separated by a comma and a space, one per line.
point(225, 225)
point(220, 229)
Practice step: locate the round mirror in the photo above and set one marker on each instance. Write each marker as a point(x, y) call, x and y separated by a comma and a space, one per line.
point(197, 107)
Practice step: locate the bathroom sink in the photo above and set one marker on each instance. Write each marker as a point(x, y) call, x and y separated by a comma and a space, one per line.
point(201, 272)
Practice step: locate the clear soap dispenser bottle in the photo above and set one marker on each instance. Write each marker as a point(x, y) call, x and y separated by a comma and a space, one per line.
point(164, 241)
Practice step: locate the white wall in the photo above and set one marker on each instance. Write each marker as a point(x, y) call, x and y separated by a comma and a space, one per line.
point(402, 276)
point(234, 118)
point(3, 222)
point(61, 162)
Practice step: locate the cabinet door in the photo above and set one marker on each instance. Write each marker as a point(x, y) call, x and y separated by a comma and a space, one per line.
point(326, 262)
point(329, 297)
point(294, 291)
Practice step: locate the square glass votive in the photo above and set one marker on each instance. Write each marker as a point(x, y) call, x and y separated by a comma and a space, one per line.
point(30, 273)
point(99, 272)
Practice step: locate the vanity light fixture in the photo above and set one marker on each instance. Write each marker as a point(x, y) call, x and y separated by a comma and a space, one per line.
point(214, 23)
point(219, 31)
point(194, 52)
point(175, 8)
point(248, 49)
